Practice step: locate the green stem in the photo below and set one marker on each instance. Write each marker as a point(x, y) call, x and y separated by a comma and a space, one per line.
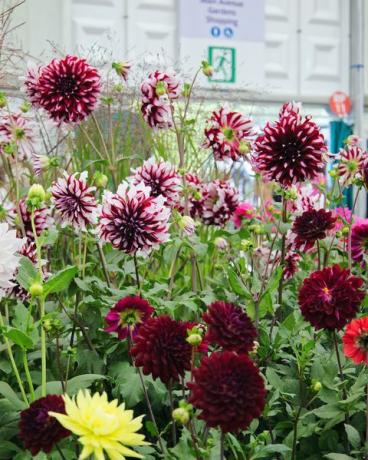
point(28, 376)
point(222, 446)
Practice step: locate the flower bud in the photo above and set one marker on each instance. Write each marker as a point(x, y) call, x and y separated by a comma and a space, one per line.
point(244, 147)
point(333, 173)
point(36, 290)
point(25, 106)
point(187, 224)
point(118, 88)
point(100, 180)
point(3, 100)
point(36, 191)
point(345, 230)
point(246, 245)
point(317, 387)
point(160, 89)
point(194, 340)
point(186, 90)
point(181, 415)
point(121, 68)
point(257, 229)
point(221, 243)
point(207, 69)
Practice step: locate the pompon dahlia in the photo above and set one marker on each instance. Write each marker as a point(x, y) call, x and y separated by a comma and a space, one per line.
point(132, 220)
point(359, 239)
point(128, 313)
point(220, 202)
point(355, 340)
point(41, 219)
point(290, 150)
point(16, 130)
point(329, 298)
point(161, 349)
point(230, 327)
point(352, 160)
point(68, 89)
point(161, 178)
point(229, 391)
point(75, 200)
point(228, 134)
point(37, 429)
point(245, 211)
point(311, 226)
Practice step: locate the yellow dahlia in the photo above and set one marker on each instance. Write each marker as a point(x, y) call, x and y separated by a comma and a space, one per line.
point(101, 426)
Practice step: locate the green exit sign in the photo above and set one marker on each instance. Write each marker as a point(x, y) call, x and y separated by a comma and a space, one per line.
point(222, 59)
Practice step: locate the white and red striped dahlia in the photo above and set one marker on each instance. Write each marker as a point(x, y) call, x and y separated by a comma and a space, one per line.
point(291, 150)
point(192, 197)
point(220, 202)
point(352, 162)
point(132, 220)
point(17, 291)
point(75, 200)
point(42, 219)
point(228, 134)
point(16, 129)
point(161, 177)
point(67, 89)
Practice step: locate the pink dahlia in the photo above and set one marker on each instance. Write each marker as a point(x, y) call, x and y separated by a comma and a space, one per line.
point(16, 130)
point(245, 211)
point(161, 178)
point(228, 134)
point(359, 239)
point(132, 220)
point(68, 89)
point(351, 163)
point(220, 202)
point(290, 150)
point(75, 200)
point(343, 218)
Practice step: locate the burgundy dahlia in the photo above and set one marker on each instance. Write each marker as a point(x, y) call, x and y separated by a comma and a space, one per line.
point(37, 430)
point(229, 391)
point(352, 161)
point(230, 327)
point(16, 130)
point(291, 264)
point(161, 348)
point(67, 89)
point(290, 150)
point(161, 178)
point(330, 298)
point(311, 226)
point(220, 202)
point(359, 239)
point(75, 200)
point(129, 313)
point(132, 220)
point(41, 219)
point(228, 134)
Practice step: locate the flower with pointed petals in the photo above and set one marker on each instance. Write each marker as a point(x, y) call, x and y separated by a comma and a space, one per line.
point(122, 68)
point(193, 197)
point(16, 130)
point(75, 201)
point(220, 202)
point(10, 246)
point(291, 150)
point(102, 426)
point(330, 298)
point(311, 226)
point(132, 220)
point(353, 139)
point(351, 164)
point(228, 134)
point(355, 340)
point(245, 211)
point(359, 239)
point(129, 313)
point(42, 219)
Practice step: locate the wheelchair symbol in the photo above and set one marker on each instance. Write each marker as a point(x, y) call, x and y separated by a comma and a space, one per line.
point(228, 32)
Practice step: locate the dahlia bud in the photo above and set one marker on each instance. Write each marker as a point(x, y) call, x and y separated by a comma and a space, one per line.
point(36, 290)
point(121, 68)
point(316, 386)
point(244, 147)
point(100, 180)
point(291, 194)
point(52, 325)
point(345, 230)
point(352, 140)
point(160, 89)
point(186, 90)
point(187, 224)
point(333, 172)
point(207, 69)
point(3, 100)
point(36, 195)
point(118, 88)
point(9, 148)
point(181, 415)
point(338, 234)
point(194, 340)
point(25, 106)
point(257, 229)
point(246, 245)
point(197, 195)
point(221, 243)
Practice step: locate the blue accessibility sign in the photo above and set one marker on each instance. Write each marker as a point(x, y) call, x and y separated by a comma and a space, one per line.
point(215, 31)
point(228, 32)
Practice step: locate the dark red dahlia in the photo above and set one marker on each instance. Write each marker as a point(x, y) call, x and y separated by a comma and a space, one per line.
point(229, 391)
point(230, 327)
point(311, 226)
point(330, 298)
point(41, 217)
point(228, 134)
point(220, 202)
point(37, 430)
point(291, 264)
point(67, 89)
point(161, 349)
point(359, 239)
point(129, 313)
point(291, 149)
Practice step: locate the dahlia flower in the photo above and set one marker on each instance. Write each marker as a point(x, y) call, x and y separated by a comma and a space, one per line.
point(311, 226)
point(355, 340)
point(343, 217)
point(194, 189)
point(220, 202)
point(161, 178)
point(291, 264)
point(38, 430)
point(101, 426)
point(16, 130)
point(122, 68)
point(229, 327)
point(244, 211)
point(75, 200)
point(187, 224)
point(353, 139)
point(10, 245)
point(329, 298)
point(161, 349)
point(228, 134)
point(128, 313)
point(351, 163)
point(132, 220)
point(41, 218)
point(68, 89)
point(290, 150)
point(17, 291)
point(359, 239)
point(228, 390)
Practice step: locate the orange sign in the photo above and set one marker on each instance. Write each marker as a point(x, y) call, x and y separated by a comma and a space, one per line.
point(340, 103)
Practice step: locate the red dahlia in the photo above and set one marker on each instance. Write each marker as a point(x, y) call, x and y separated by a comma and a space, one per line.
point(67, 89)
point(311, 226)
point(220, 202)
point(291, 149)
point(228, 134)
point(355, 340)
point(129, 313)
point(329, 298)
point(229, 391)
point(359, 239)
point(230, 327)
point(37, 430)
point(161, 349)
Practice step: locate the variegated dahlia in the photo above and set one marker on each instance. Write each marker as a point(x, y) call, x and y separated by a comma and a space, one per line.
point(330, 298)
point(16, 290)
point(311, 226)
point(16, 130)
point(192, 196)
point(162, 179)
point(75, 200)
point(68, 89)
point(42, 219)
point(228, 390)
point(228, 134)
point(351, 163)
point(291, 150)
point(220, 202)
point(132, 220)
point(359, 239)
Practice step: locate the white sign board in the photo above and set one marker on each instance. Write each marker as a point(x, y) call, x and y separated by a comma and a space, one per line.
point(229, 34)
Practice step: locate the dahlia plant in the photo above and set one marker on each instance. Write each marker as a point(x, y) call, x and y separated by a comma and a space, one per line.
point(151, 310)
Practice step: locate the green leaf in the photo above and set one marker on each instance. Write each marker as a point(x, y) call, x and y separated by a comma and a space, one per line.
point(27, 273)
point(353, 435)
point(18, 337)
point(7, 391)
point(236, 284)
point(328, 411)
point(333, 456)
point(60, 280)
point(80, 382)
